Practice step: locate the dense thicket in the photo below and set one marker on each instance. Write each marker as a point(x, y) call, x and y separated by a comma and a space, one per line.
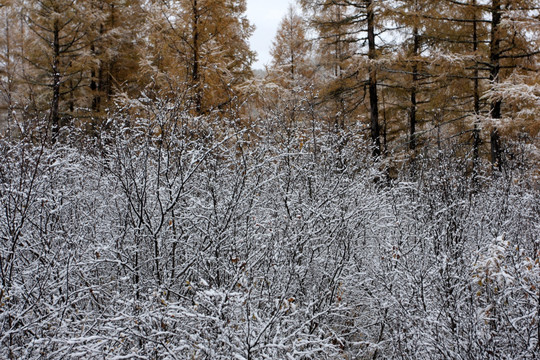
point(170, 243)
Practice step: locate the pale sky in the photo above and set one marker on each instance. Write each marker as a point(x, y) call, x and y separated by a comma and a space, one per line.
point(265, 15)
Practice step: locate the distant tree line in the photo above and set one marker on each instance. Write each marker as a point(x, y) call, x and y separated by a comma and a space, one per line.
point(415, 73)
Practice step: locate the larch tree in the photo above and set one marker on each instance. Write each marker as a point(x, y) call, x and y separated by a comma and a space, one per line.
point(461, 35)
point(513, 53)
point(291, 49)
point(369, 6)
point(9, 65)
point(114, 48)
point(458, 85)
point(206, 43)
point(409, 74)
point(334, 52)
point(291, 68)
point(356, 26)
point(57, 53)
point(486, 46)
point(458, 37)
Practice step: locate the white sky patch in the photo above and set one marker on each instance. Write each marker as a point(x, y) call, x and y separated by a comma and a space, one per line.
point(265, 15)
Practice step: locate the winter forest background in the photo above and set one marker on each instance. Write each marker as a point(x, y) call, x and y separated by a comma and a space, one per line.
point(373, 193)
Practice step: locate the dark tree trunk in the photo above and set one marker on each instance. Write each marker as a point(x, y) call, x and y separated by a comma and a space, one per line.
point(373, 99)
point(495, 67)
point(414, 106)
point(476, 90)
point(195, 75)
point(54, 115)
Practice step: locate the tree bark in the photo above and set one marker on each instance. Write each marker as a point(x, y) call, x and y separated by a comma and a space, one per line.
point(373, 99)
point(195, 74)
point(54, 115)
point(495, 67)
point(414, 106)
point(476, 89)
